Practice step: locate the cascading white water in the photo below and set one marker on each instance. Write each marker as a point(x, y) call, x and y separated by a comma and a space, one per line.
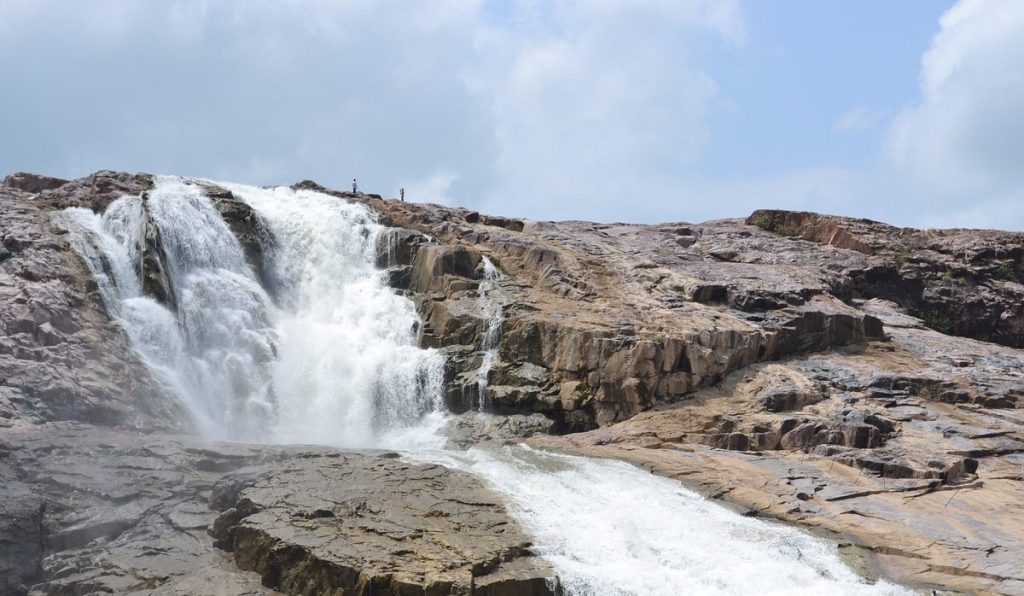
point(348, 370)
point(214, 348)
point(334, 362)
point(611, 529)
point(491, 305)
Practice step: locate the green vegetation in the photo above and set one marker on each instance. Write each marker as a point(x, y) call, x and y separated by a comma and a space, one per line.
point(937, 320)
point(761, 220)
point(902, 257)
point(1006, 272)
point(954, 277)
point(768, 222)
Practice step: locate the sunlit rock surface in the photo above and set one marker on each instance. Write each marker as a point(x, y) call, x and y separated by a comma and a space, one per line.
point(792, 364)
point(106, 488)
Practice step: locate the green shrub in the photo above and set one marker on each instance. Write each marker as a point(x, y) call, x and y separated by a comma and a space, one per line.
point(937, 320)
point(1006, 272)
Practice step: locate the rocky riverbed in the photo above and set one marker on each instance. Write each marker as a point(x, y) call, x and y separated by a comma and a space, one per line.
point(860, 380)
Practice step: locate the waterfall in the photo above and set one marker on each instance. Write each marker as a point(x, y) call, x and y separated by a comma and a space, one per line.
point(347, 370)
point(332, 359)
point(491, 306)
point(214, 348)
point(333, 362)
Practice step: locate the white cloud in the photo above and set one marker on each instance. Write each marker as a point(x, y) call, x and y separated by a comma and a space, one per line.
point(823, 190)
point(599, 104)
point(544, 108)
point(596, 109)
point(268, 92)
point(996, 212)
point(964, 140)
point(434, 188)
point(858, 119)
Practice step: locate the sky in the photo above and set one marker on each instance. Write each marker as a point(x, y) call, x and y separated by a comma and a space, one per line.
point(910, 112)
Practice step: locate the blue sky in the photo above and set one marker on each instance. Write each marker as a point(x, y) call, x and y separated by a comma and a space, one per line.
point(613, 110)
point(803, 66)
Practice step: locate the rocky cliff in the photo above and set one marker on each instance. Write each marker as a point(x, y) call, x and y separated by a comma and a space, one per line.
point(858, 379)
point(105, 489)
point(847, 375)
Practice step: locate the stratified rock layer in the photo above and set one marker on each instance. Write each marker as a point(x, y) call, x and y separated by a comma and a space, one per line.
point(962, 282)
point(99, 497)
point(742, 358)
point(366, 525)
point(793, 364)
point(603, 321)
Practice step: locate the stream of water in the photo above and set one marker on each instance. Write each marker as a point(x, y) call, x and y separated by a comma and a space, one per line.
point(329, 356)
point(491, 307)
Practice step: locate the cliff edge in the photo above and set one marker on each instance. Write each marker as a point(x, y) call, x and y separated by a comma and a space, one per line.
point(861, 380)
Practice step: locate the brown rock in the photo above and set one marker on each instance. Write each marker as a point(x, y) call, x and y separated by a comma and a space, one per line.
point(94, 510)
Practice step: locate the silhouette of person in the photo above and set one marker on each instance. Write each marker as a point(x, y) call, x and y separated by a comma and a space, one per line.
point(401, 193)
point(355, 187)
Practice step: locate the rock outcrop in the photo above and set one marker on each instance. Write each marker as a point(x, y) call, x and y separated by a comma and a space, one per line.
point(90, 510)
point(858, 379)
point(61, 358)
point(776, 363)
point(601, 322)
point(961, 282)
point(106, 491)
point(908, 450)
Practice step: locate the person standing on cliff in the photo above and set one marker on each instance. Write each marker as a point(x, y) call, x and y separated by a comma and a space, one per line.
point(355, 187)
point(401, 193)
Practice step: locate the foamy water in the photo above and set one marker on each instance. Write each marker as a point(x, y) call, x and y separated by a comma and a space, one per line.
point(332, 359)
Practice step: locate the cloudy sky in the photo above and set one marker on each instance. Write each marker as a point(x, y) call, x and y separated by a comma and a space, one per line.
point(612, 110)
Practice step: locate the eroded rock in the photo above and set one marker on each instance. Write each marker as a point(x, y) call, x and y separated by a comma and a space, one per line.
point(620, 318)
point(738, 356)
point(95, 510)
point(964, 282)
point(375, 525)
point(61, 357)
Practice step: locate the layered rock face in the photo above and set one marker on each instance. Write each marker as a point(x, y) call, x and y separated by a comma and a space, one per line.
point(856, 378)
point(98, 510)
point(60, 357)
point(910, 450)
point(601, 322)
point(777, 363)
point(107, 490)
point(961, 282)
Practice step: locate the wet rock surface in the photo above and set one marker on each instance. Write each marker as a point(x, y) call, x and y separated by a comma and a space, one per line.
point(103, 491)
point(252, 233)
point(795, 365)
point(613, 318)
point(374, 525)
point(61, 357)
point(96, 510)
point(792, 364)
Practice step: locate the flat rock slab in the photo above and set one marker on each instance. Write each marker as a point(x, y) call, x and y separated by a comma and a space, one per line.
point(344, 523)
point(89, 509)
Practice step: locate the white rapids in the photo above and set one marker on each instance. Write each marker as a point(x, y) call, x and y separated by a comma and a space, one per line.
point(329, 356)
